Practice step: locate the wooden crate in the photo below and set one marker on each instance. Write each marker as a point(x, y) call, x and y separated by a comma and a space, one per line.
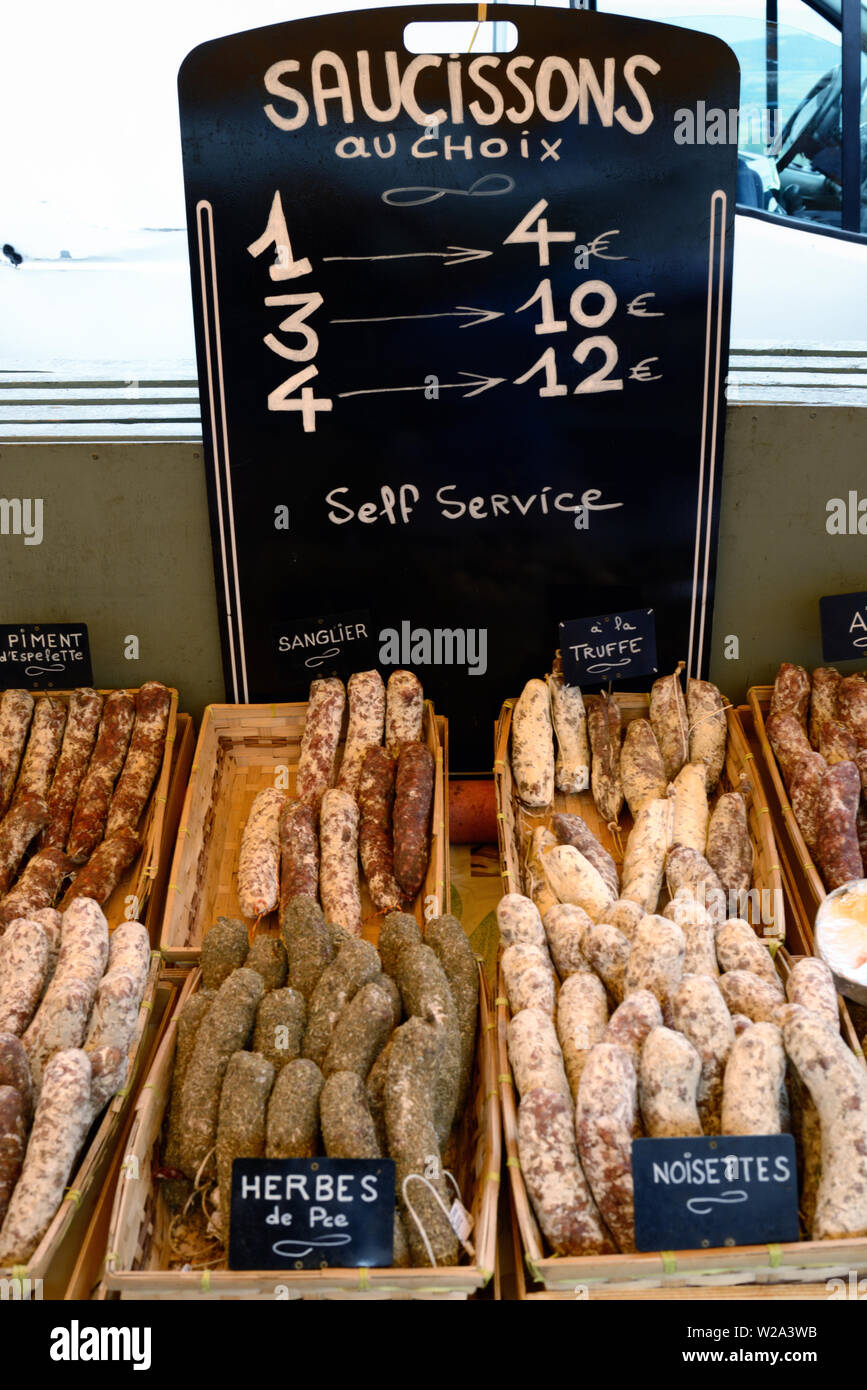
point(53, 1260)
point(179, 776)
point(800, 1262)
point(138, 1245)
point(239, 749)
point(516, 824)
point(805, 878)
point(137, 881)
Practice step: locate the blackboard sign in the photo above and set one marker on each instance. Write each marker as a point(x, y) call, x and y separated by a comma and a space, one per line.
point(311, 1213)
point(844, 627)
point(462, 327)
point(44, 656)
point(693, 1194)
point(614, 646)
point(337, 643)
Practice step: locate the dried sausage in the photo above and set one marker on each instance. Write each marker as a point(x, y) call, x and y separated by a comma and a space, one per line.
point(413, 798)
point(404, 711)
point(317, 761)
point(365, 729)
point(97, 785)
point(143, 760)
point(375, 833)
point(82, 721)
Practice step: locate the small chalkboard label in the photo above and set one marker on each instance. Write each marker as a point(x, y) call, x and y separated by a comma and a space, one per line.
point(693, 1194)
point(325, 643)
point(311, 1213)
point(844, 627)
point(44, 656)
point(613, 646)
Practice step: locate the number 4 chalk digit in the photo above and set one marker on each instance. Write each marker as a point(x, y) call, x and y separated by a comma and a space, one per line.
point(522, 233)
point(308, 404)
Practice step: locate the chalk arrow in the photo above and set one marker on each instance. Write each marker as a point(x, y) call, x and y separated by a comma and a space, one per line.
point(460, 311)
point(455, 255)
point(479, 384)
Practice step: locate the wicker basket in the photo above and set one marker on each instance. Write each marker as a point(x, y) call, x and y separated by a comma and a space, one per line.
point(137, 881)
point(53, 1259)
point(137, 1262)
point(804, 1261)
point(239, 748)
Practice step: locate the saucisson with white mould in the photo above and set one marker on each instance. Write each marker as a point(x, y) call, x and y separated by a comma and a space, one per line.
point(641, 768)
point(811, 985)
point(338, 864)
point(548, 1154)
point(43, 749)
point(317, 761)
point(701, 1014)
point(259, 856)
point(646, 851)
point(603, 730)
point(575, 880)
point(62, 1119)
point(21, 824)
point(605, 1116)
point(518, 920)
point(404, 711)
point(750, 994)
point(823, 699)
point(669, 1072)
point(535, 1055)
point(729, 847)
point(533, 746)
point(632, 1020)
point(82, 723)
point(698, 933)
point(656, 961)
point(705, 709)
point(691, 813)
point(529, 978)
point(16, 712)
point(23, 967)
point(669, 722)
point(38, 886)
point(608, 951)
point(754, 1081)
point(791, 693)
point(572, 830)
point(687, 868)
point(582, 1017)
point(738, 948)
point(572, 767)
point(837, 1084)
point(535, 878)
point(366, 725)
point(565, 928)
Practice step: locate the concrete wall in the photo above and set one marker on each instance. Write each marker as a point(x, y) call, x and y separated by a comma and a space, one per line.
point(127, 548)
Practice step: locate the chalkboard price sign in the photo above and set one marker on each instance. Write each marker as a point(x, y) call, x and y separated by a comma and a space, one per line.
point(462, 329)
point(44, 656)
point(311, 1213)
point(701, 1193)
point(844, 627)
point(615, 646)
